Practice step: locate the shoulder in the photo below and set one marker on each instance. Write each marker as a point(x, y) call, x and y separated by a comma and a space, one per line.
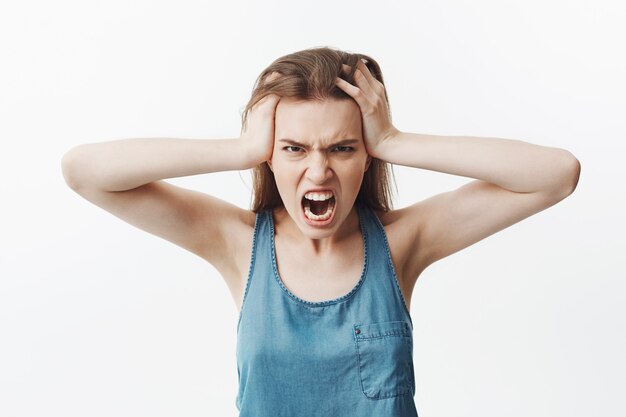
point(233, 258)
point(402, 228)
point(400, 219)
point(242, 235)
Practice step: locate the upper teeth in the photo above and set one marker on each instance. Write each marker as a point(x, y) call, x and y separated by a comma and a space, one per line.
point(319, 196)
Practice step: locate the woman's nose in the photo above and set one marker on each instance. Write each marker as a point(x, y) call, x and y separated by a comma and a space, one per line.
point(318, 170)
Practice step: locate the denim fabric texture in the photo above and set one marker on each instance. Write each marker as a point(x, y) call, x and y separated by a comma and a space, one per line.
point(347, 357)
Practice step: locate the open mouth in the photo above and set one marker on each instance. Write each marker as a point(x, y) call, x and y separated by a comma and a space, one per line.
point(318, 206)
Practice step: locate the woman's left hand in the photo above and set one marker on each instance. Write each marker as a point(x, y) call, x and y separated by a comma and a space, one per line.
point(369, 93)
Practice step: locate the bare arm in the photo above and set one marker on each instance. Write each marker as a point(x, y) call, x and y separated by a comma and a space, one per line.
point(511, 164)
point(125, 177)
point(125, 164)
point(513, 179)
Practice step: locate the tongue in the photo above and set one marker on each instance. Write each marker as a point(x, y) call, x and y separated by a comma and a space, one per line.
point(319, 207)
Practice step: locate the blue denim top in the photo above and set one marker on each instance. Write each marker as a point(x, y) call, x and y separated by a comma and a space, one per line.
point(350, 356)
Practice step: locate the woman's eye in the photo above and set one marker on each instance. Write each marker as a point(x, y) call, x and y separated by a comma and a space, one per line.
point(290, 148)
point(297, 149)
point(344, 148)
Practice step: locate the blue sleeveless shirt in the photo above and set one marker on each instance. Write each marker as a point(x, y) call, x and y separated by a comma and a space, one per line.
point(350, 356)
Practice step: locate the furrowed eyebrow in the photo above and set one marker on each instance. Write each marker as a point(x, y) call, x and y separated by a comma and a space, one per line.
point(340, 143)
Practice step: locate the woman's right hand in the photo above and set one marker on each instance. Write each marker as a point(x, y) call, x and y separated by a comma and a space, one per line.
point(258, 137)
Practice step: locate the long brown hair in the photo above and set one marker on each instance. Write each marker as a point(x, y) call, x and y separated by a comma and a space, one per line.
point(310, 75)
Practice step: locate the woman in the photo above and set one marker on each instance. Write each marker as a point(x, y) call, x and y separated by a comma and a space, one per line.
point(322, 268)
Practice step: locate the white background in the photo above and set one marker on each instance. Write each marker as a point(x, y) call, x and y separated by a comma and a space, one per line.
point(98, 318)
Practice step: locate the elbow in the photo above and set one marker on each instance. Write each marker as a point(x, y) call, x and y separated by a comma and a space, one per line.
point(573, 173)
point(69, 167)
point(569, 174)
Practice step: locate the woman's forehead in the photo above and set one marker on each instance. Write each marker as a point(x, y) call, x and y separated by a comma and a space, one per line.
point(296, 104)
point(330, 119)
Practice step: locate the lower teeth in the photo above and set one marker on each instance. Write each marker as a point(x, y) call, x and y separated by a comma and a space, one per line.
point(309, 214)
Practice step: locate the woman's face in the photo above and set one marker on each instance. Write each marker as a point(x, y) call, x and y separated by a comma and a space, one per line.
point(318, 146)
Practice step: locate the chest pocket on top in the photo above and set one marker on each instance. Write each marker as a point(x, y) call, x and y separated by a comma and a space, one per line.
point(384, 351)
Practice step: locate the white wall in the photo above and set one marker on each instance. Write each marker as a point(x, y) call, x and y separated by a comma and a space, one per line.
point(98, 318)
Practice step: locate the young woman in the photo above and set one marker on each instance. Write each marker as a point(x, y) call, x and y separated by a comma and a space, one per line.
point(321, 268)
